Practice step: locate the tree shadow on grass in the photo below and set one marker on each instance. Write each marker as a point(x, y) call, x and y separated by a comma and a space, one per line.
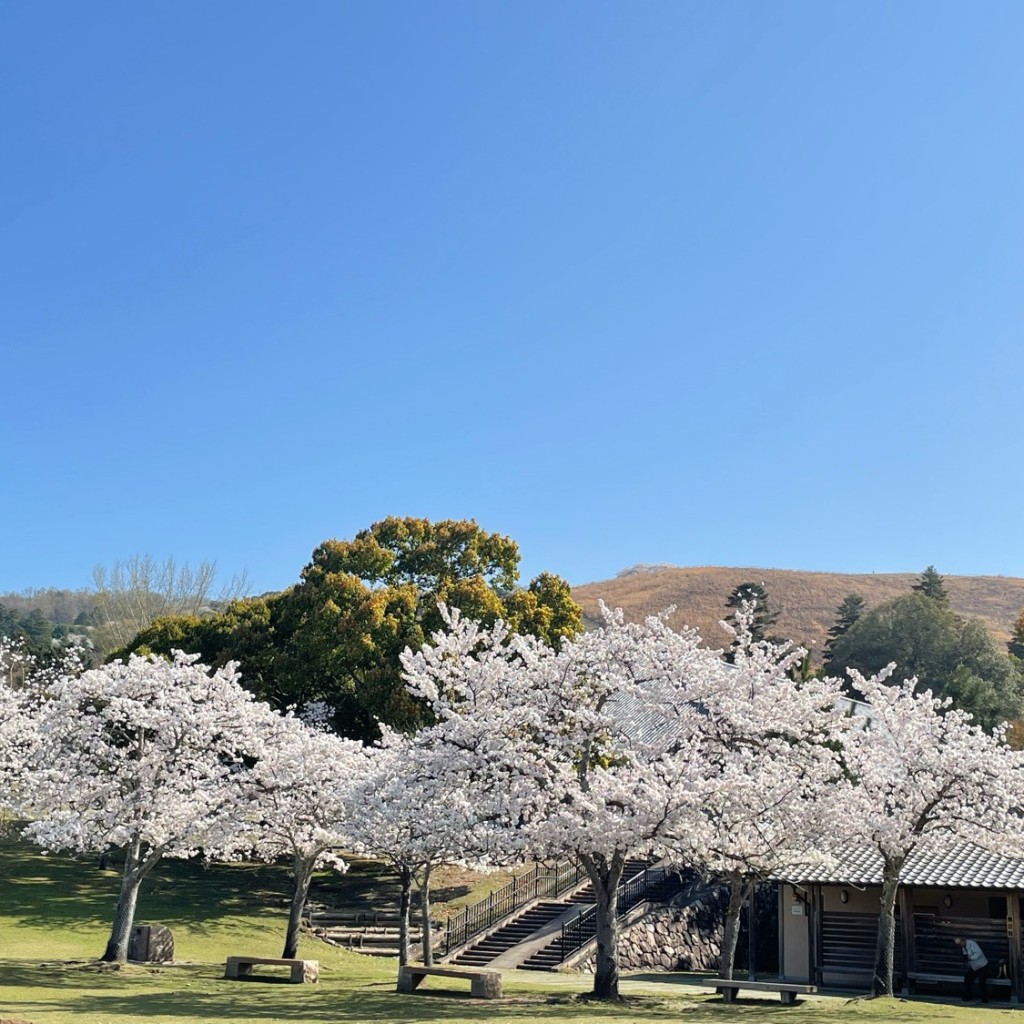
point(196, 993)
point(63, 891)
point(363, 1005)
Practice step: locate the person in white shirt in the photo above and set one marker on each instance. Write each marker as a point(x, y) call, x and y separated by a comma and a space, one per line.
point(975, 968)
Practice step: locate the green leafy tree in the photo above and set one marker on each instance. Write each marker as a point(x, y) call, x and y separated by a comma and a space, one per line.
point(932, 585)
point(360, 603)
point(337, 636)
point(34, 628)
point(10, 623)
point(951, 655)
point(847, 615)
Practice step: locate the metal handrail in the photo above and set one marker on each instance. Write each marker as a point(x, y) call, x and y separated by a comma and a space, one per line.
point(583, 926)
point(531, 885)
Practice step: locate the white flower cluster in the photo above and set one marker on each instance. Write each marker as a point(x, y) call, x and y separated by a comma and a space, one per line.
point(630, 740)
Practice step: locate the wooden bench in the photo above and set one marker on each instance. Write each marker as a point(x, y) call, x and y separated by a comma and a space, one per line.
point(952, 979)
point(484, 984)
point(301, 970)
point(787, 991)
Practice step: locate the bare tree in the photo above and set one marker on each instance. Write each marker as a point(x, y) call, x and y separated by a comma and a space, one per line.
point(134, 592)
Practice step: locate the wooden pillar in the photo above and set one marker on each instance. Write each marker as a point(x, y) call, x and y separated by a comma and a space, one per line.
point(1013, 936)
point(906, 899)
point(809, 911)
point(752, 934)
point(816, 905)
point(781, 894)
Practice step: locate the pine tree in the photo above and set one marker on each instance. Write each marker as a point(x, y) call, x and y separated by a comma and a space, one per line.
point(932, 585)
point(1016, 644)
point(764, 615)
point(846, 615)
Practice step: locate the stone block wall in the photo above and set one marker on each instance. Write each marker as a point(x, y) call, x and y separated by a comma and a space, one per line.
point(690, 938)
point(673, 939)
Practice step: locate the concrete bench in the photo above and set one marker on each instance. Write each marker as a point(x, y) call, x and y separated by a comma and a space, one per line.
point(301, 970)
point(788, 991)
point(484, 984)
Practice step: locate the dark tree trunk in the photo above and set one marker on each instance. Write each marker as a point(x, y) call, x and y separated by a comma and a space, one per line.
point(303, 871)
point(428, 945)
point(881, 983)
point(605, 876)
point(738, 893)
point(404, 907)
point(124, 914)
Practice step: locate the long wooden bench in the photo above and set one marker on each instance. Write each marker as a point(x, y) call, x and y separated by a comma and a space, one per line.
point(788, 991)
point(484, 984)
point(300, 970)
point(931, 978)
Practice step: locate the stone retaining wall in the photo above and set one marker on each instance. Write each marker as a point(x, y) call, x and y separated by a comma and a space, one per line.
point(690, 938)
point(673, 939)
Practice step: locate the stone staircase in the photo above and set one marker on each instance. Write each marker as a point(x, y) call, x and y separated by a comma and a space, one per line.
point(520, 928)
point(373, 934)
point(532, 938)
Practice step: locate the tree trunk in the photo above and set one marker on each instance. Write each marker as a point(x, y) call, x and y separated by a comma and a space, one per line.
point(404, 906)
point(428, 945)
point(303, 871)
point(124, 914)
point(738, 892)
point(881, 983)
point(605, 876)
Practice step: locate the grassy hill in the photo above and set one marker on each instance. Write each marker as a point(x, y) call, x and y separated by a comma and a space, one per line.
point(807, 600)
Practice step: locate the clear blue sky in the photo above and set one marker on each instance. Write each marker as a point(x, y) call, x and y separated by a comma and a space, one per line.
point(728, 283)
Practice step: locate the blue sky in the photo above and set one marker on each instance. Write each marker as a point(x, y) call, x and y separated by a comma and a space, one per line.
point(699, 283)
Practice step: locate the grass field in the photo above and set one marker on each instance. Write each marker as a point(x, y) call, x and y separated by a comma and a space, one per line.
point(54, 917)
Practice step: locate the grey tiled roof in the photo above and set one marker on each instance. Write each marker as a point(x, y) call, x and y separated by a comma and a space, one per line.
point(963, 866)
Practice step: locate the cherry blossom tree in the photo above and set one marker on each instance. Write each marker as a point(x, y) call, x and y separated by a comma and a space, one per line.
point(771, 752)
point(24, 680)
point(595, 750)
point(923, 776)
point(417, 810)
point(761, 817)
point(300, 796)
point(16, 724)
point(146, 755)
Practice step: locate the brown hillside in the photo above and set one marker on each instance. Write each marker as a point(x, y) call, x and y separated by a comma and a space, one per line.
point(807, 600)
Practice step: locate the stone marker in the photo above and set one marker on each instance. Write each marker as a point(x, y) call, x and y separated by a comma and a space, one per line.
point(151, 944)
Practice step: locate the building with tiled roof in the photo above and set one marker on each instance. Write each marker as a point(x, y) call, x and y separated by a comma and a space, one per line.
point(828, 919)
point(963, 866)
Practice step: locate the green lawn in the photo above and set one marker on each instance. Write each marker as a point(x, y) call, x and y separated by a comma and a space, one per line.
point(54, 916)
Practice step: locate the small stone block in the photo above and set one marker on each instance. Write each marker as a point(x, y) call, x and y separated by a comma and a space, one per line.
point(487, 986)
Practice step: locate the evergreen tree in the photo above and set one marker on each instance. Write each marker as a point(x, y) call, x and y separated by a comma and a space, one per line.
point(38, 630)
point(764, 615)
point(846, 615)
point(1016, 644)
point(932, 585)
point(951, 655)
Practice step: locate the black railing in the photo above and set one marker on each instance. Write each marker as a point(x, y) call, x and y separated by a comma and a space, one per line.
point(582, 928)
point(531, 885)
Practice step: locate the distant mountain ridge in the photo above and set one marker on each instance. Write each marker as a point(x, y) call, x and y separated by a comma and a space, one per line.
point(807, 601)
